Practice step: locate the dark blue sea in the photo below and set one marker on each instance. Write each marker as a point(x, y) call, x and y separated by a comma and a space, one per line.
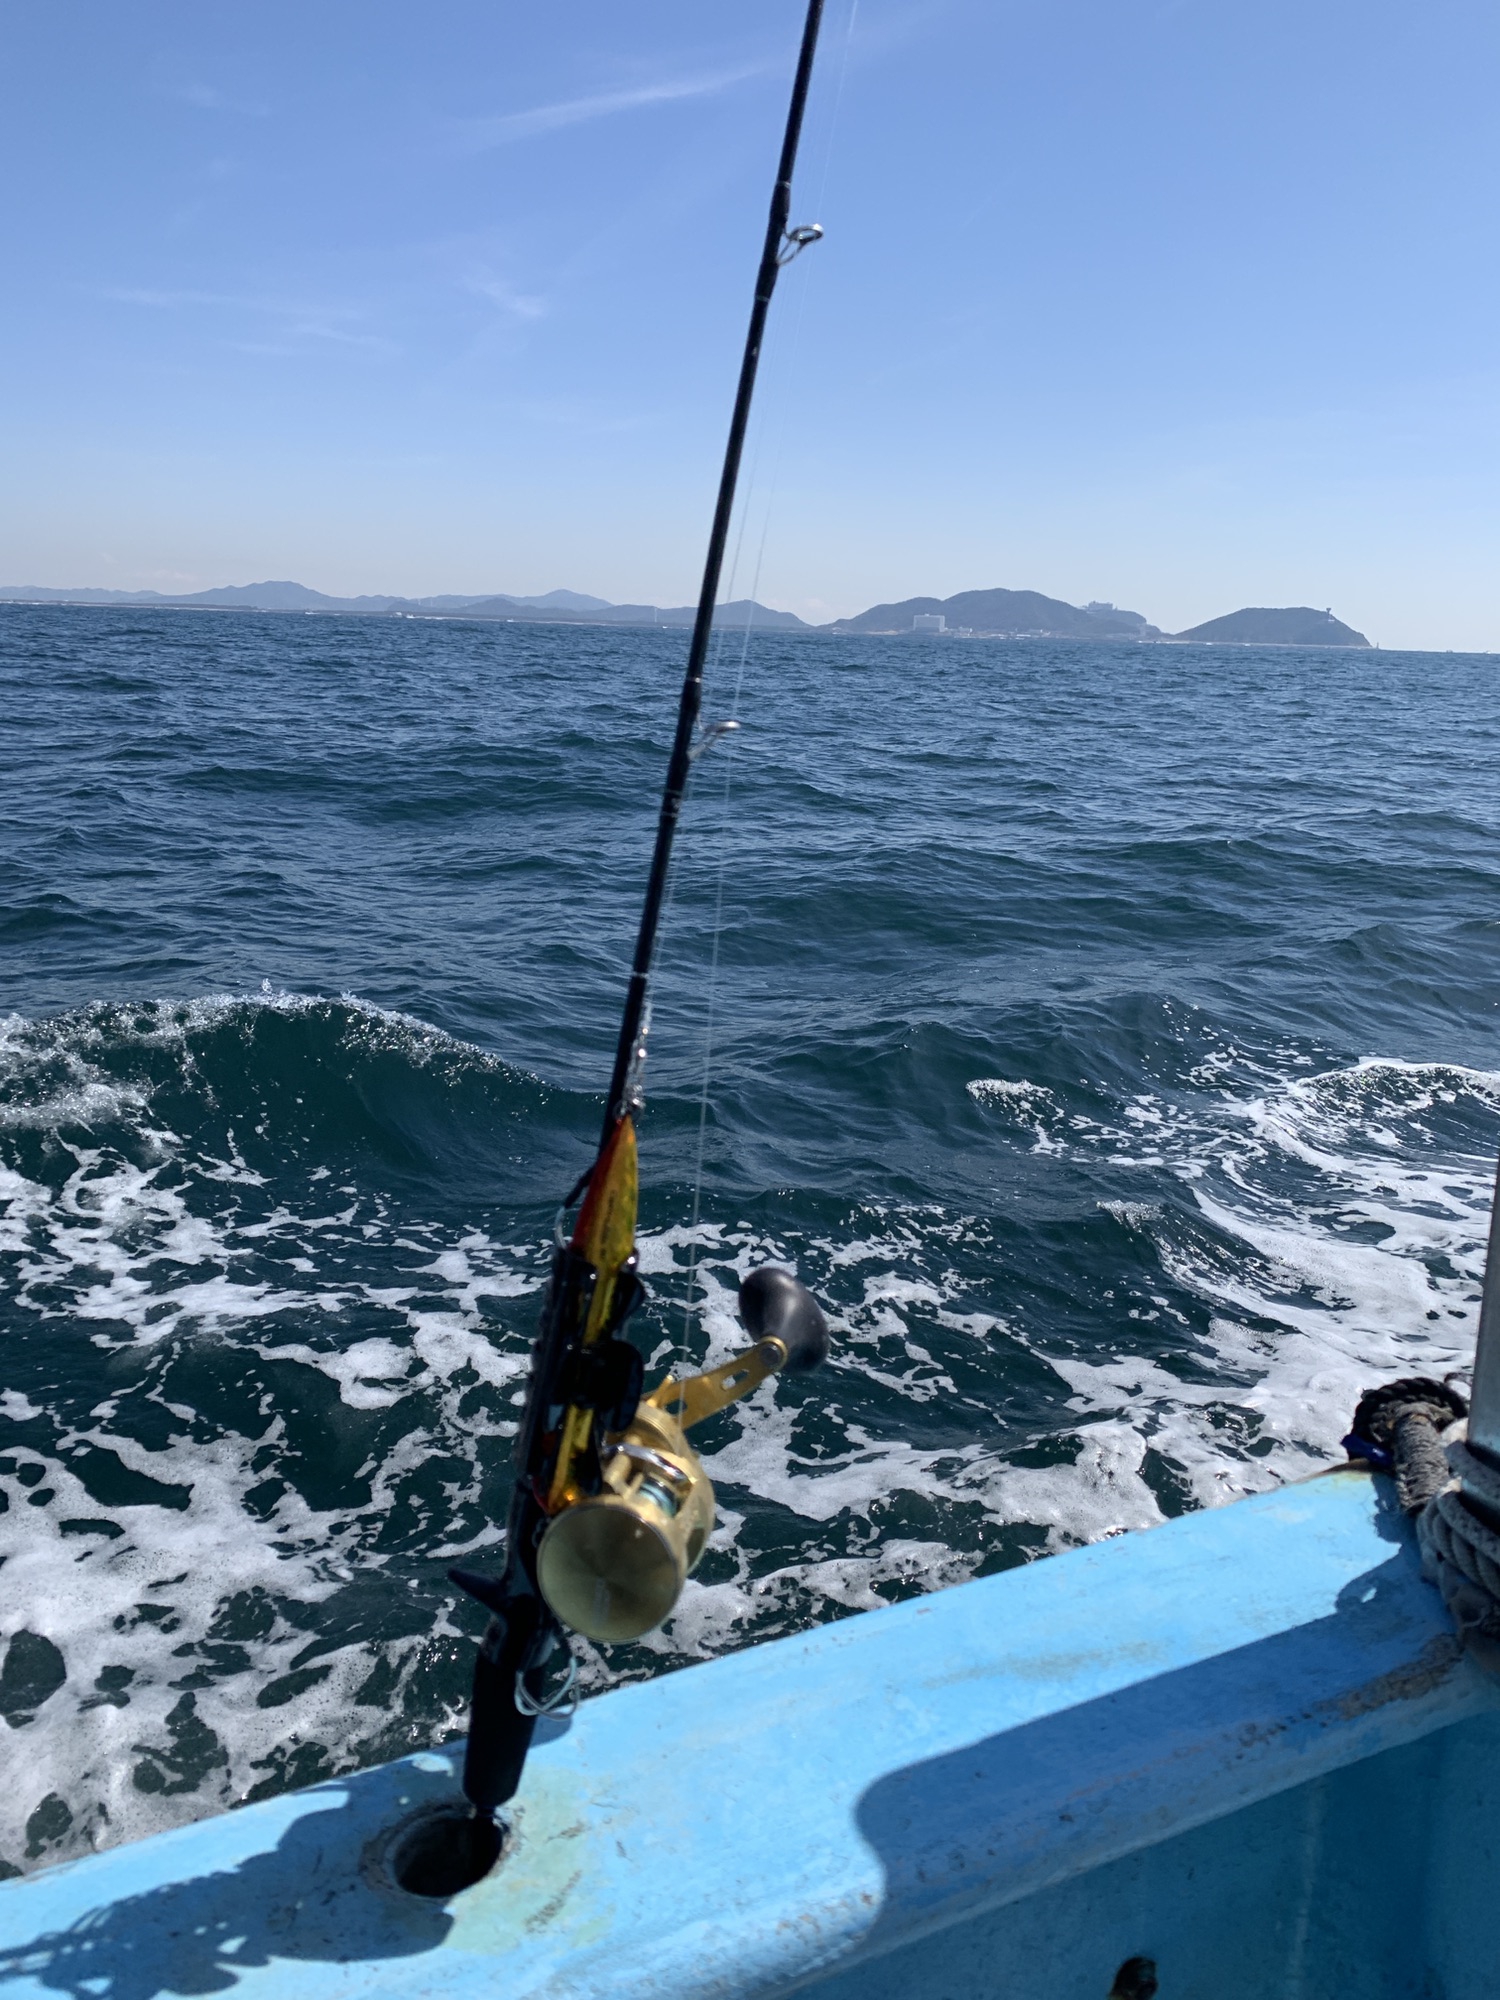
point(1109, 1033)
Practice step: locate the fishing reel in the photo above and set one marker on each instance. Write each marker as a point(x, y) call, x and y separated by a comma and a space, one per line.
point(612, 1508)
point(612, 1564)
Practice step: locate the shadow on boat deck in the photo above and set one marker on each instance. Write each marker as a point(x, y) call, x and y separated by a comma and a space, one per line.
point(298, 1900)
point(1178, 1802)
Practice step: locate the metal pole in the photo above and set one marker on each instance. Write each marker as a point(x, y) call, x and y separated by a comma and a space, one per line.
point(1484, 1406)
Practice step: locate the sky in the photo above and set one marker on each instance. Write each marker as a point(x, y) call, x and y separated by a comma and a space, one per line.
point(1183, 304)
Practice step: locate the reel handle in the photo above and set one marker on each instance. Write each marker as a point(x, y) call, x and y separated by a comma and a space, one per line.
point(773, 1306)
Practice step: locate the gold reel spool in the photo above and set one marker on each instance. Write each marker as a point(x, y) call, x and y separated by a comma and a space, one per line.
point(613, 1565)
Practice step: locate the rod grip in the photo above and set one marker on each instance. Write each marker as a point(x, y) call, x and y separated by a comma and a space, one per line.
point(499, 1733)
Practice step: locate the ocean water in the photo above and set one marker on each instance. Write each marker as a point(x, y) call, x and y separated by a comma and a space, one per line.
point(1109, 1034)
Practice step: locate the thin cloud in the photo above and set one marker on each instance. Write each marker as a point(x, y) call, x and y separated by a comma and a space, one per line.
point(140, 295)
point(520, 305)
point(204, 97)
point(295, 336)
point(172, 301)
point(300, 322)
point(479, 134)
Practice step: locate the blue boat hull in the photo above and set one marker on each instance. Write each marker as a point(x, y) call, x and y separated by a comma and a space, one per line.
point(1244, 1745)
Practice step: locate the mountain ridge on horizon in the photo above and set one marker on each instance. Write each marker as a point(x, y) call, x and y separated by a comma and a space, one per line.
point(995, 613)
point(1004, 613)
point(551, 607)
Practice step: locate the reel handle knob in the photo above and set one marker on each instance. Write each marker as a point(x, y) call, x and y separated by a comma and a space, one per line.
point(773, 1306)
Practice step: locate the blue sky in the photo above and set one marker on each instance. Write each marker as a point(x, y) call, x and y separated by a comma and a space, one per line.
point(1186, 304)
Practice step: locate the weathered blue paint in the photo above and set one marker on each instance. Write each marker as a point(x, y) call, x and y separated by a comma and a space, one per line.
point(1243, 1743)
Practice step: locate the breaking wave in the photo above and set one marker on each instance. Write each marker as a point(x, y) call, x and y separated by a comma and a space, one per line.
point(263, 1369)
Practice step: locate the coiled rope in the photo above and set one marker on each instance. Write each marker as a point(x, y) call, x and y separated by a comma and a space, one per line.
point(1461, 1554)
point(1411, 1429)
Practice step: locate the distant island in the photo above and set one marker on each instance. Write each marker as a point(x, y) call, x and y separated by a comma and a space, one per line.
point(1296, 626)
point(1008, 614)
point(1026, 614)
point(977, 614)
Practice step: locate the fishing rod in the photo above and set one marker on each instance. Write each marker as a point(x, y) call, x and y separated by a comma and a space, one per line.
point(612, 1508)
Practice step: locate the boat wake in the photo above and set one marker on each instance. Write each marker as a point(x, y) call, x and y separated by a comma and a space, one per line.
point(270, 1276)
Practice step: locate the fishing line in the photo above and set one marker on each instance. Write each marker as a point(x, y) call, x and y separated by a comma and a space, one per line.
point(782, 402)
point(838, 104)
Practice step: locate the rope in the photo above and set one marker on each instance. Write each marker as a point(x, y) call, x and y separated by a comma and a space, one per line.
point(1441, 1482)
point(1397, 1429)
point(1461, 1555)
